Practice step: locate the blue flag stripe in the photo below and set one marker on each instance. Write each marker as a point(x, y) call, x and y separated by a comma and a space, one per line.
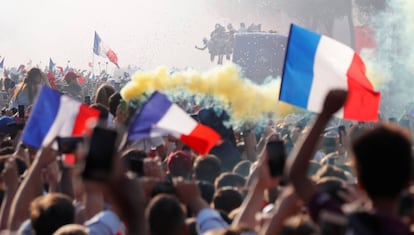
point(96, 42)
point(298, 70)
point(151, 113)
point(42, 117)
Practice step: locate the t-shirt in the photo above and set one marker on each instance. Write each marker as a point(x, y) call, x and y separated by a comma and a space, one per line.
point(358, 223)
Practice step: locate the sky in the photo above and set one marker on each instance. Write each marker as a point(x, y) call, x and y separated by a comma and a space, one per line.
point(145, 33)
point(148, 33)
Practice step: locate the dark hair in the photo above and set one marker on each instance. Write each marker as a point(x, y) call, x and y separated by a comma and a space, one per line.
point(207, 190)
point(133, 160)
point(227, 199)
point(103, 93)
point(332, 186)
point(242, 168)
point(103, 115)
point(114, 101)
point(207, 168)
point(383, 160)
point(30, 83)
point(50, 212)
point(229, 179)
point(165, 215)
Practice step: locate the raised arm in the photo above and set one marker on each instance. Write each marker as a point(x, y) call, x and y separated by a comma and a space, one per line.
point(10, 177)
point(304, 153)
point(254, 200)
point(30, 188)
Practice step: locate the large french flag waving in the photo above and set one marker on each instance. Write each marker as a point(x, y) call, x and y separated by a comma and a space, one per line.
point(316, 64)
point(55, 114)
point(101, 49)
point(159, 116)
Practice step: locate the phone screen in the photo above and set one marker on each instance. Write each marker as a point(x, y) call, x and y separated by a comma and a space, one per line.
point(68, 144)
point(276, 156)
point(21, 111)
point(99, 159)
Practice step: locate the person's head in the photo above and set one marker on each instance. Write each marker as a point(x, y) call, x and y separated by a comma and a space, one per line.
point(207, 190)
point(229, 180)
point(50, 212)
point(295, 133)
point(114, 101)
point(31, 82)
point(207, 168)
point(103, 114)
point(166, 216)
point(383, 161)
point(103, 93)
point(180, 163)
point(34, 77)
point(71, 78)
point(243, 168)
point(227, 199)
point(298, 225)
point(330, 171)
point(133, 160)
point(329, 142)
point(72, 229)
point(333, 186)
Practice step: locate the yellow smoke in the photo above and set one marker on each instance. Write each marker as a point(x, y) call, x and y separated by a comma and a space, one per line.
point(243, 99)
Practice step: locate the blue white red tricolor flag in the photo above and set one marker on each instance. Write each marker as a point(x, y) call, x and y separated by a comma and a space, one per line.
point(316, 64)
point(2, 64)
point(159, 116)
point(55, 114)
point(101, 49)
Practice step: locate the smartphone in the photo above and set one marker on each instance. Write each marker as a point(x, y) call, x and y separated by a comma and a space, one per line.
point(276, 157)
point(88, 100)
point(99, 160)
point(20, 109)
point(68, 144)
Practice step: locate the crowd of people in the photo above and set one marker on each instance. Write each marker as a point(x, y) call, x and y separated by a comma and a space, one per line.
point(221, 40)
point(297, 178)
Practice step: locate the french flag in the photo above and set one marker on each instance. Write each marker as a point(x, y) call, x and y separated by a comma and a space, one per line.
point(316, 64)
point(159, 116)
point(55, 114)
point(100, 49)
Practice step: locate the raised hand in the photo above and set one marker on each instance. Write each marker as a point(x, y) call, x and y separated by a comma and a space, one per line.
point(334, 101)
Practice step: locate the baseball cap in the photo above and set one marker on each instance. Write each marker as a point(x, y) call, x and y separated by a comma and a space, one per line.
point(180, 163)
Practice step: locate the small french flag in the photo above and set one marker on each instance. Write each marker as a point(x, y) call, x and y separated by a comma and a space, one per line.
point(159, 116)
point(316, 64)
point(55, 114)
point(101, 49)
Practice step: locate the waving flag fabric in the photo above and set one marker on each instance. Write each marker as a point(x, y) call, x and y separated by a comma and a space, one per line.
point(101, 49)
point(159, 116)
point(51, 65)
point(55, 115)
point(2, 64)
point(316, 64)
